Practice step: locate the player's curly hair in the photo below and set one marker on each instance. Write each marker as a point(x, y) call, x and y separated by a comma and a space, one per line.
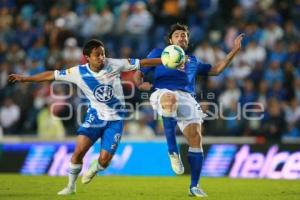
point(175, 27)
point(90, 45)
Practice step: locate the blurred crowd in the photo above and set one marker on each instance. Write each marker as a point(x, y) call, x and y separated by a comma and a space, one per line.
point(41, 35)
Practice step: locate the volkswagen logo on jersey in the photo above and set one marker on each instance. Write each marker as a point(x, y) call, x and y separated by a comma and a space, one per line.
point(104, 93)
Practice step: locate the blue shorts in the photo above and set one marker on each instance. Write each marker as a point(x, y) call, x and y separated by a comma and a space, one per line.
point(110, 132)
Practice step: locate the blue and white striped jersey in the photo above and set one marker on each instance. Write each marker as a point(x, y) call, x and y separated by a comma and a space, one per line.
point(103, 89)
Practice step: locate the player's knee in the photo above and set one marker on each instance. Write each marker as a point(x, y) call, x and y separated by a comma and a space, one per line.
point(195, 138)
point(168, 104)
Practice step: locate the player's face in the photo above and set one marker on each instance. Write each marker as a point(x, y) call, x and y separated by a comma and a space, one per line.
point(97, 58)
point(180, 38)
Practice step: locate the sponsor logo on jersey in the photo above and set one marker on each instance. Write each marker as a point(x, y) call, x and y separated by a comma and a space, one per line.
point(104, 93)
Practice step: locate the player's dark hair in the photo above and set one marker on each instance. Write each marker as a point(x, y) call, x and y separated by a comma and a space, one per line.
point(176, 27)
point(90, 45)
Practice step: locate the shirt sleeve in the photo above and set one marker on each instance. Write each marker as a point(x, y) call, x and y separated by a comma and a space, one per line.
point(203, 68)
point(69, 75)
point(155, 53)
point(129, 64)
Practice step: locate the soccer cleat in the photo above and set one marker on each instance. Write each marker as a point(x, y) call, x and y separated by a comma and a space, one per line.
point(176, 163)
point(67, 191)
point(196, 192)
point(90, 173)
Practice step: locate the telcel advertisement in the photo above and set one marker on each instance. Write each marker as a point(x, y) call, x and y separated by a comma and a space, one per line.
point(147, 159)
point(253, 161)
point(151, 159)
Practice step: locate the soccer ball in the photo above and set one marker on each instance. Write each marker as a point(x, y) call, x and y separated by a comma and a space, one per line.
point(172, 56)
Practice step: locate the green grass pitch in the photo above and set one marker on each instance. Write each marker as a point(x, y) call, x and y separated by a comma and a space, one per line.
point(138, 188)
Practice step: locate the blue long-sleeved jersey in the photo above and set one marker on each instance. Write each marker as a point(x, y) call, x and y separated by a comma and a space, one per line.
point(175, 79)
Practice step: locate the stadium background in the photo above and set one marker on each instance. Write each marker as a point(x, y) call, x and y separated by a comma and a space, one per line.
point(44, 35)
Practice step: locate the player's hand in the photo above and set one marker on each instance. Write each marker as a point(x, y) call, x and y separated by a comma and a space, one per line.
point(238, 42)
point(145, 86)
point(182, 64)
point(15, 78)
point(138, 78)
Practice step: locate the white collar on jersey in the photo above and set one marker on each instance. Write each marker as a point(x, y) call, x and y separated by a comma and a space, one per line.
point(90, 70)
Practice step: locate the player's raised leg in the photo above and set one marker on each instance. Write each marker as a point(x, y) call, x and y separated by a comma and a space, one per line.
point(83, 143)
point(109, 143)
point(168, 109)
point(195, 157)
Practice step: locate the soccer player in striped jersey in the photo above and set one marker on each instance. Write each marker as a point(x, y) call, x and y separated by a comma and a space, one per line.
point(99, 80)
point(173, 99)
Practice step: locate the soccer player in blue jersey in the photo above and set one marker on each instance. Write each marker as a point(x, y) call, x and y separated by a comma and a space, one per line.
point(99, 80)
point(173, 99)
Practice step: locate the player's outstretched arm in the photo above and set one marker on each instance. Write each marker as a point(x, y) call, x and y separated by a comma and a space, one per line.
point(138, 75)
point(150, 62)
point(220, 66)
point(44, 76)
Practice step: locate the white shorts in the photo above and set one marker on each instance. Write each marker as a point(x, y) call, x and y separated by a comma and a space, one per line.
point(188, 110)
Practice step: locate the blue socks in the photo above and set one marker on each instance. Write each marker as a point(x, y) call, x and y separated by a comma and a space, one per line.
point(169, 129)
point(195, 158)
